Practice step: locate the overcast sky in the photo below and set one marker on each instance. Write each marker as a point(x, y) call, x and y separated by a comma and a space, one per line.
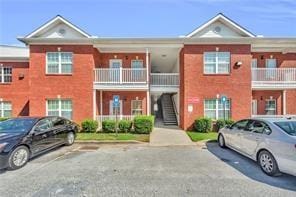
point(146, 18)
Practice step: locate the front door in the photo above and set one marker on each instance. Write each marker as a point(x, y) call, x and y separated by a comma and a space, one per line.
point(115, 65)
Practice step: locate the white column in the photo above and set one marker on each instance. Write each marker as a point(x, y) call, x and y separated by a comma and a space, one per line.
point(147, 64)
point(148, 102)
point(101, 104)
point(94, 104)
point(284, 102)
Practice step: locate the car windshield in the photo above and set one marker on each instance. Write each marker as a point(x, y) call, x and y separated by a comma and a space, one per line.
point(289, 127)
point(16, 125)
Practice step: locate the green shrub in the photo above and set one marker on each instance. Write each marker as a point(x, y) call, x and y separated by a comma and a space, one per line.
point(109, 126)
point(203, 125)
point(2, 119)
point(125, 126)
point(222, 123)
point(219, 124)
point(89, 126)
point(143, 124)
point(229, 122)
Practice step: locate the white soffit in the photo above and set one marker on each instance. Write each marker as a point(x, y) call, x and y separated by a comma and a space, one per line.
point(13, 53)
point(58, 27)
point(220, 26)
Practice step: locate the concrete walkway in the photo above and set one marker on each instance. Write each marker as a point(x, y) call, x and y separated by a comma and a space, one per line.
point(169, 137)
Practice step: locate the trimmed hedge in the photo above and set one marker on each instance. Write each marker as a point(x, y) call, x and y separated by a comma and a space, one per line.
point(143, 124)
point(2, 119)
point(125, 126)
point(89, 126)
point(222, 123)
point(109, 126)
point(203, 125)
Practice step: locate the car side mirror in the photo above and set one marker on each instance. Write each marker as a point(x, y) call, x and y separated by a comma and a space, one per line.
point(228, 127)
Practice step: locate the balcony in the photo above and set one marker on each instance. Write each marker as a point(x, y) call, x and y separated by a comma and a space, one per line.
point(120, 78)
point(273, 78)
point(164, 81)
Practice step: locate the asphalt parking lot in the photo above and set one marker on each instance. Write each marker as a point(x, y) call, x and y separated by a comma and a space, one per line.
point(141, 170)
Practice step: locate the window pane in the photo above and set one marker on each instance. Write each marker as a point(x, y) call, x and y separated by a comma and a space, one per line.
point(66, 68)
point(223, 62)
point(137, 64)
point(53, 113)
point(53, 105)
point(52, 68)
point(5, 109)
point(52, 63)
point(136, 107)
point(210, 68)
point(53, 57)
point(67, 114)
point(66, 104)
point(210, 114)
point(221, 114)
point(66, 58)
point(210, 104)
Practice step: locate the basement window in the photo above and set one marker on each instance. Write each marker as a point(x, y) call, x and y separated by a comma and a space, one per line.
point(59, 63)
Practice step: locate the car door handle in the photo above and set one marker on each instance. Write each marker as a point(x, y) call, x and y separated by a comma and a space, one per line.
point(44, 136)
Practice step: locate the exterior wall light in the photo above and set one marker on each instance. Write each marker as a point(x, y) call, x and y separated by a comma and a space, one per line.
point(239, 63)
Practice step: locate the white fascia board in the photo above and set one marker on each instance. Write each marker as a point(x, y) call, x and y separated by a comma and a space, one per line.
point(58, 18)
point(220, 16)
point(49, 41)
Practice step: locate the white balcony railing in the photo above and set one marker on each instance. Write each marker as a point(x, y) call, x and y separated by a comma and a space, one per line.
point(276, 77)
point(164, 79)
point(120, 75)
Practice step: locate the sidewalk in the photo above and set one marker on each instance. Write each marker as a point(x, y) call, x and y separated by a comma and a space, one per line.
point(169, 137)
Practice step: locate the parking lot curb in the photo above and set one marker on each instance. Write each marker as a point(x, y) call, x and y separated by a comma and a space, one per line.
point(109, 142)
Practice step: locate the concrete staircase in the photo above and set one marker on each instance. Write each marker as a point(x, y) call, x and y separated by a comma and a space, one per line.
point(168, 111)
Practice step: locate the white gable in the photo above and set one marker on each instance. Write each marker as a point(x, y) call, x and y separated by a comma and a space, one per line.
point(220, 26)
point(60, 31)
point(217, 30)
point(58, 28)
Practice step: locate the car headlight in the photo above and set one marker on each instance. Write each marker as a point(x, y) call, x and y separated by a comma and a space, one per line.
point(2, 146)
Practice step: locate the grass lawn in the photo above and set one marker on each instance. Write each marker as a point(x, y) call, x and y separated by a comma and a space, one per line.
point(197, 136)
point(112, 136)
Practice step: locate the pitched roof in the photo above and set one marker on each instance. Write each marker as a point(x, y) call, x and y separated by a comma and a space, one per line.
point(57, 19)
point(227, 21)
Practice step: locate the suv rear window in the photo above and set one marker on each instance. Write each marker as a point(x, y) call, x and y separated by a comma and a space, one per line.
point(289, 127)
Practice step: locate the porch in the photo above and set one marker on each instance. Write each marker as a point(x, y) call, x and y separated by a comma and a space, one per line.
point(273, 78)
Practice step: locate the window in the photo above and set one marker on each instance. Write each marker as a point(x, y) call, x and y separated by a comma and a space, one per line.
point(287, 126)
point(59, 63)
point(270, 63)
point(259, 127)
point(240, 124)
point(216, 62)
point(214, 108)
point(43, 125)
point(59, 107)
point(137, 64)
point(5, 74)
point(137, 107)
point(270, 107)
point(5, 109)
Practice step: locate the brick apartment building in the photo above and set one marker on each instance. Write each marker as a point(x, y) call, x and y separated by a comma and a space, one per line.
point(65, 71)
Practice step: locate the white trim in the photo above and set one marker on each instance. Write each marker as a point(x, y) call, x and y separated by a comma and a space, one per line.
point(3, 75)
point(284, 102)
point(61, 19)
point(224, 19)
point(254, 63)
point(255, 103)
point(94, 104)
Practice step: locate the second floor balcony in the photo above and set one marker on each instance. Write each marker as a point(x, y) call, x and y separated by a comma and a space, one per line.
point(273, 78)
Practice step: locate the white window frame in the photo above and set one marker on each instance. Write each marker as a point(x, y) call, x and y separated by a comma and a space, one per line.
point(216, 62)
point(217, 108)
point(2, 108)
point(136, 109)
point(268, 109)
point(135, 60)
point(4, 75)
point(60, 106)
point(60, 63)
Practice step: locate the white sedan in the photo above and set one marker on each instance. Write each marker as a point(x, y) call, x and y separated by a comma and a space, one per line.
point(270, 142)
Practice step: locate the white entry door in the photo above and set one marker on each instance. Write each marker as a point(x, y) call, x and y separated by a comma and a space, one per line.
point(115, 65)
point(112, 109)
point(254, 107)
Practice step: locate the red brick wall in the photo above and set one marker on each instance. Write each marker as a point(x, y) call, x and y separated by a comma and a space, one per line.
point(236, 85)
point(262, 96)
point(125, 57)
point(291, 102)
point(17, 92)
point(125, 96)
point(77, 86)
point(283, 60)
